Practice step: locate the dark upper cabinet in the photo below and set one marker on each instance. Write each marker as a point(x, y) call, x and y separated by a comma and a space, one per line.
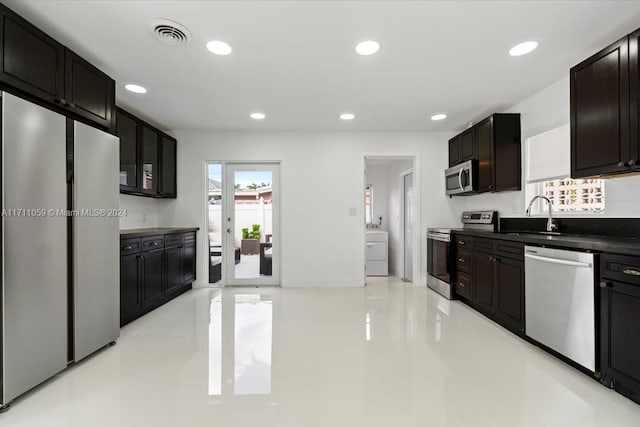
point(42, 69)
point(150, 157)
point(454, 151)
point(168, 169)
point(127, 130)
point(499, 153)
point(467, 145)
point(495, 145)
point(462, 147)
point(147, 158)
point(89, 92)
point(484, 147)
point(32, 61)
point(600, 114)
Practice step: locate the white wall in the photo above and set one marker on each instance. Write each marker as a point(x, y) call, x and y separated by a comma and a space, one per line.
point(142, 212)
point(322, 178)
point(543, 111)
point(396, 213)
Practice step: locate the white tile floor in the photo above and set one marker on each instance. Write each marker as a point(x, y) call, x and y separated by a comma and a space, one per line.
point(389, 354)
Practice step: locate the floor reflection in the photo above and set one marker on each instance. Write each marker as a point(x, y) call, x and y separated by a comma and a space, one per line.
point(244, 323)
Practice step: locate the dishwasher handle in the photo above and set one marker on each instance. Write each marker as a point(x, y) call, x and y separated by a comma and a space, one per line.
point(558, 261)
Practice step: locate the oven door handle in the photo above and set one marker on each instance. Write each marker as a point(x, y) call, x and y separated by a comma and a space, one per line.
point(460, 179)
point(438, 237)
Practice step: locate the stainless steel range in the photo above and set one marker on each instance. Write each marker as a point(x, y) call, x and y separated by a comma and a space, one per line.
point(439, 255)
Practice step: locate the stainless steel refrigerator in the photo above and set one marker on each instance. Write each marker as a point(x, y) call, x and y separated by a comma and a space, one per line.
point(60, 273)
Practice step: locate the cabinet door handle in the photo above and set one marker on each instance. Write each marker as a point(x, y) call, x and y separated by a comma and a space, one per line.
point(153, 244)
point(460, 242)
point(604, 284)
point(461, 260)
point(126, 248)
point(462, 285)
point(631, 162)
point(631, 272)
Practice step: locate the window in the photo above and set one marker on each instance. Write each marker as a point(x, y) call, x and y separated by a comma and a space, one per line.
point(573, 195)
point(368, 203)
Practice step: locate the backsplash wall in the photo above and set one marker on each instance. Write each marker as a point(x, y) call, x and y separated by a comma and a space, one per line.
point(141, 212)
point(543, 111)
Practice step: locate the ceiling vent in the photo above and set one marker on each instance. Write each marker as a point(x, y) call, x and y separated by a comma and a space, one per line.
point(170, 32)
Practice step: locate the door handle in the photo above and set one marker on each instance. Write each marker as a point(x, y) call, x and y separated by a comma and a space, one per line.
point(631, 272)
point(558, 261)
point(229, 230)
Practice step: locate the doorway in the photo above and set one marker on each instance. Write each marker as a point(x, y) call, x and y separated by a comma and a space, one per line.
point(243, 223)
point(408, 226)
point(390, 207)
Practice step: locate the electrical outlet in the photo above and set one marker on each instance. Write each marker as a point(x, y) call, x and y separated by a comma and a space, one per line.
point(353, 211)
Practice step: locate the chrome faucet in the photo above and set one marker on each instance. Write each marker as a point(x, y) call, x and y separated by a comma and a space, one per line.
point(551, 224)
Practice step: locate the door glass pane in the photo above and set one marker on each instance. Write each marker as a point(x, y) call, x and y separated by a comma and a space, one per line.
point(128, 156)
point(149, 159)
point(215, 228)
point(253, 223)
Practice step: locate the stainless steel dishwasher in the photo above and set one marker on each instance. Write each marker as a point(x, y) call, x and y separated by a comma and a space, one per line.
point(560, 302)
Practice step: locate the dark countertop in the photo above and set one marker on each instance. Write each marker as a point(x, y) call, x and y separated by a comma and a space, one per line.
point(616, 245)
point(139, 232)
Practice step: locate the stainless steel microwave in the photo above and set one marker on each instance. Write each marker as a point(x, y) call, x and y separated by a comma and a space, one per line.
point(460, 179)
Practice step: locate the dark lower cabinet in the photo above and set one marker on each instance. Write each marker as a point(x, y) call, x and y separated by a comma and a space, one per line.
point(153, 270)
point(173, 268)
point(152, 286)
point(509, 301)
point(189, 262)
point(620, 324)
point(130, 275)
point(483, 279)
point(492, 281)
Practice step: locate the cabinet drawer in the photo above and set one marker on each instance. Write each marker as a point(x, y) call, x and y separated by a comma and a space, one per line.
point(463, 260)
point(510, 249)
point(129, 246)
point(154, 242)
point(172, 240)
point(189, 237)
point(621, 268)
point(463, 285)
point(462, 241)
point(487, 245)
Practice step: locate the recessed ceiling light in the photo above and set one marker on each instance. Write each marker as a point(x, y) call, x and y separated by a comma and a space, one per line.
point(347, 116)
point(437, 117)
point(258, 116)
point(135, 88)
point(367, 47)
point(523, 48)
point(219, 48)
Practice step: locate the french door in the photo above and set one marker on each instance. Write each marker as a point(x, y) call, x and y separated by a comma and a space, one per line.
point(251, 224)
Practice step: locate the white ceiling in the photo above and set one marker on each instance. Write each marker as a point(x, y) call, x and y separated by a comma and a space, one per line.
point(295, 60)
